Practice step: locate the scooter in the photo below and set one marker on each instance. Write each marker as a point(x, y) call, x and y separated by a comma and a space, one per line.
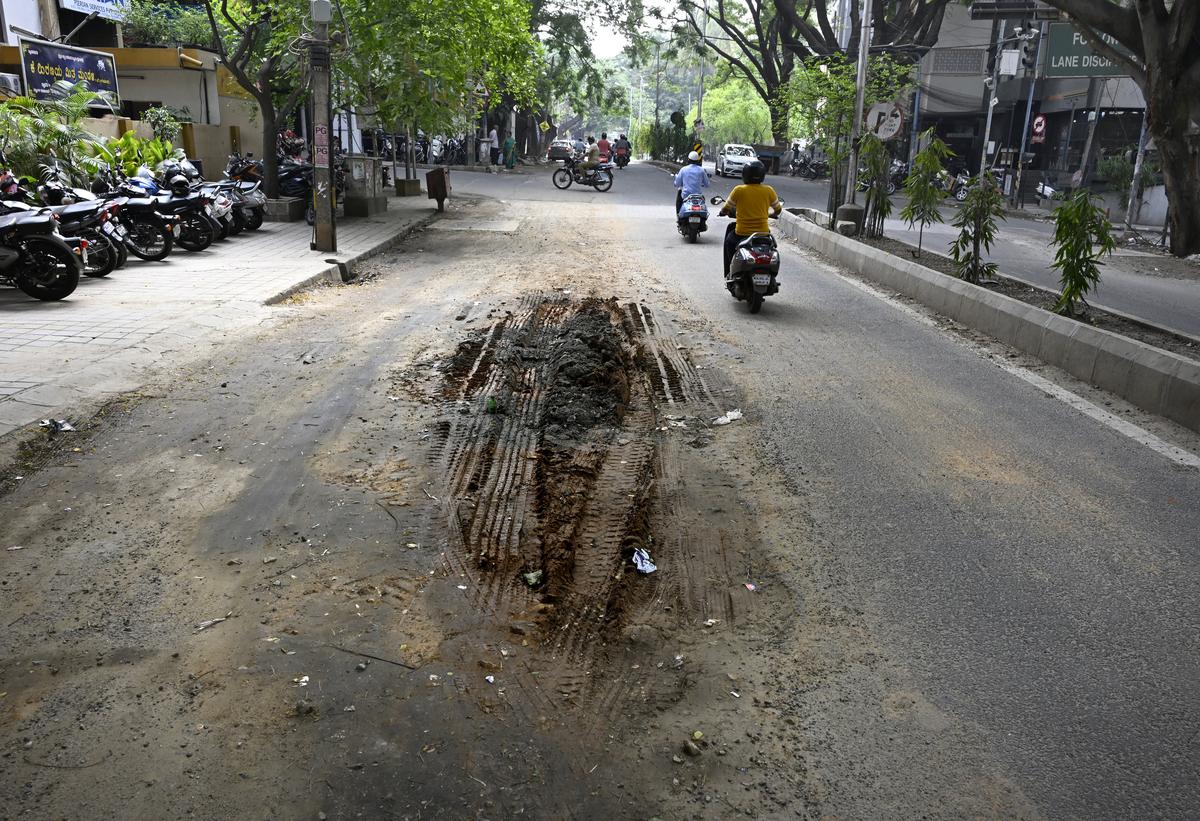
point(692, 218)
point(754, 269)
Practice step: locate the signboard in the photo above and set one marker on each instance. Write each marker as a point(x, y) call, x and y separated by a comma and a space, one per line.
point(44, 64)
point(884, 120)
point(1038, 129)
point(114, 10)
point(1070, 55)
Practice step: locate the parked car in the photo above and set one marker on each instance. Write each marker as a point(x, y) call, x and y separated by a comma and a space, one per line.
point(559, 150)
point(732, 157)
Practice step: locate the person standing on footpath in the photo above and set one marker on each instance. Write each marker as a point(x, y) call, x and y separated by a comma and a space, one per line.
point(494, 145)
point(510, 152)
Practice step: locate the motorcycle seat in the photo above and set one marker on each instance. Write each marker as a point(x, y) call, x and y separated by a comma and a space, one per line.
point(77, 209)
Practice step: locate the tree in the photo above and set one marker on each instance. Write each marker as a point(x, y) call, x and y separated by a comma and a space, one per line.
point(251, 38)
point(734, 114)
point(908, 27)
point(751, 37)
point(976, 221)
point(822, 97)
point(1160, 42)
point(1083, 235)
point(923, 187)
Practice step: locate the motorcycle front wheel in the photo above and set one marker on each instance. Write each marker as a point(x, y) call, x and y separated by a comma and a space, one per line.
point(603, 181)
point(197, 233)
point(54, 271)
point(562, 178)
point(102, 255)
point(148, 240)
point(961, 193)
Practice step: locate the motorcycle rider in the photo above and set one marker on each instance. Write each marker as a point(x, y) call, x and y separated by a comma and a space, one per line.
point(592, 160)
point(623, 146)
point(605, 147)
point(691, 179)
point(753, 200)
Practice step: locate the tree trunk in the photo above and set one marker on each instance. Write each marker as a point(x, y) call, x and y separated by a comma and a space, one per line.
point(1181, 176)
point(270, 158)
point(779, 122)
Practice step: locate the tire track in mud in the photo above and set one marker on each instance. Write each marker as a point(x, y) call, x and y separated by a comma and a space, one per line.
point(560, 451)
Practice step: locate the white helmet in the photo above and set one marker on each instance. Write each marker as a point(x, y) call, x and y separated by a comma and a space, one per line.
point(693, 157)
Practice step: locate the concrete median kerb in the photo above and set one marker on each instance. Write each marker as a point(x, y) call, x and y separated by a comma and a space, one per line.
point(1155, 380)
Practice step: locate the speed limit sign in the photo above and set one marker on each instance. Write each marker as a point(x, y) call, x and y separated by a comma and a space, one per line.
point(1039, 129)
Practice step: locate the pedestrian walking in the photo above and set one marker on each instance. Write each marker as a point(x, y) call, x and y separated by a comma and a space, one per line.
point(494, 145)
point(510, 152)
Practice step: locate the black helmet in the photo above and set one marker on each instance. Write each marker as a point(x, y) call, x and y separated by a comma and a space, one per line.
point(180, 186)
point(753, 172)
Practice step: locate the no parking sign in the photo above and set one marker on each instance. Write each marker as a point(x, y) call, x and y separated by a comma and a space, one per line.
point(1039, 129)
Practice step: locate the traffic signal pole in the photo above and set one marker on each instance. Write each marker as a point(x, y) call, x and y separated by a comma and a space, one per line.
point(1037, 59)
point(864, 45)
point(991, 105)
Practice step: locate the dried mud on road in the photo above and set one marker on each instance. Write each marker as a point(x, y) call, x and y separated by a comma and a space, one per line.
point(375, 561)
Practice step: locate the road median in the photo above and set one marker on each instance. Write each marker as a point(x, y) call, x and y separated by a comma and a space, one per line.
point(1154, 380)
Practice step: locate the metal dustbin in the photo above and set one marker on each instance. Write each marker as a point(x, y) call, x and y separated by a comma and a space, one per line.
point(437, 183)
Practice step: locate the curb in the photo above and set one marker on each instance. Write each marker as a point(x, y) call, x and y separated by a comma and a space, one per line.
point(333, 273)
point(1157, 381)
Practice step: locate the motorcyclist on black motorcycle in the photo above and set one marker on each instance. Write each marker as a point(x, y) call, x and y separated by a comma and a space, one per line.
point(622, 150)
point(592, 159)
point(753, 200)
point(690, 180)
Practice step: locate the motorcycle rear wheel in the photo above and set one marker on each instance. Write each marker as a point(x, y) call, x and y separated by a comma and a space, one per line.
point(754, 299)
point(254, 219)
point(603, 181)
point(961, 193)
point(56, 274)
point(562, 178)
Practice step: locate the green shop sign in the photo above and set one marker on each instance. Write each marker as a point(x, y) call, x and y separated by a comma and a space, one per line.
point(1070, 55)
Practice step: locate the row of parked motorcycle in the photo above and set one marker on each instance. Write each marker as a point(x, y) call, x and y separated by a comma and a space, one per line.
point(52, 235)
point(806, 165)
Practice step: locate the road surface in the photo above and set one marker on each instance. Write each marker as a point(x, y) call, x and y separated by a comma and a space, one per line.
point(908, 582)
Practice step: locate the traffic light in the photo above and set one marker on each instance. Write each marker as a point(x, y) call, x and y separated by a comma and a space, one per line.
point(1029, 54)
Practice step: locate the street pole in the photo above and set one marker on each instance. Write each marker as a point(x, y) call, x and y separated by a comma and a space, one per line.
point(915, 134)
point(324, 229)
point(1095, 97)
point(703, 35)
point(657, 79)
point(864, 45)
point(1037, 58)
point(1135, 187)
point(991, 104)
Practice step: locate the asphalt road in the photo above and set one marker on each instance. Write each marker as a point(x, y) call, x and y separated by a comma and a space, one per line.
point(1029, 575)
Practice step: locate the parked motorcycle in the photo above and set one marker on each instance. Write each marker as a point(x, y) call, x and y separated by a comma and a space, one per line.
point(692, 218)
point(36, 259)
point(149, 233)
point(601, 179)
point(754, 269)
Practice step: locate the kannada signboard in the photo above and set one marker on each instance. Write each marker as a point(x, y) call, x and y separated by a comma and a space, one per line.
point(1070, 55)
point(114, 10)
point(44, 64)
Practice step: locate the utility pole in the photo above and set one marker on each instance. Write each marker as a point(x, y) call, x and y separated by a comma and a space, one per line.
point(991, 104)
point(657, 79)
point(324, 229)
point(864, 45)
point(1135, 186)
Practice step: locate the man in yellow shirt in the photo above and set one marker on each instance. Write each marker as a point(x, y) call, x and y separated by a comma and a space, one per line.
point(753, 200)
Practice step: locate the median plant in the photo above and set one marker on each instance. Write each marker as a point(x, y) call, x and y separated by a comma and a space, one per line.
point(923, 186)
point(1083, 235)
point(877, 165)
point(976, 221)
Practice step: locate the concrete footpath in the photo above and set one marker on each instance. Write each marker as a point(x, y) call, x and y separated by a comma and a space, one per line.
point(57, 357)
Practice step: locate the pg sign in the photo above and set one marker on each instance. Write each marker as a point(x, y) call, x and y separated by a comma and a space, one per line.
point(44, 64)
point(1070, 55)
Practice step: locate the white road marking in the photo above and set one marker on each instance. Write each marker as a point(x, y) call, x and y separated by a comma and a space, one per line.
point(1143, 437)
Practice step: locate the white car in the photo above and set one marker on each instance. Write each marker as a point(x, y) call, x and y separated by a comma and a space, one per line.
point(732, 157)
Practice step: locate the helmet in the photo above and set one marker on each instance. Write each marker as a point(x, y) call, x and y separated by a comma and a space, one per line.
point(693, 157)
point(180, 186)
point(753, 172)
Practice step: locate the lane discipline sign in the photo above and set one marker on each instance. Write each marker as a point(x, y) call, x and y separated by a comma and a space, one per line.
point(44, 64)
